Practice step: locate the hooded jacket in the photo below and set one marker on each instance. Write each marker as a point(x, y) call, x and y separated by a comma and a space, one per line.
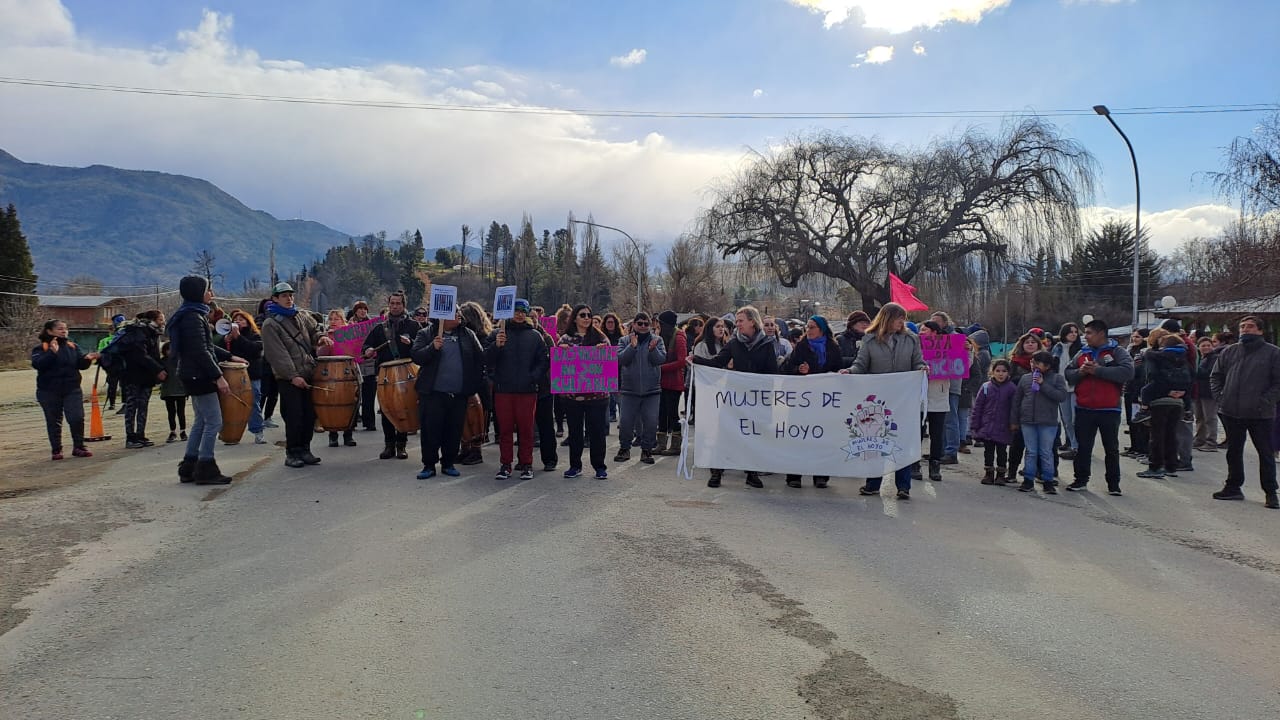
point(978, 369)
point(993, 411)
point(58, 372)
point(1246, 379)
point(639, 367)
point(140, 346)
point(521, 365)
point(1040, 407)
point(1101, 390)
point(189, 337)
point(752, 355)
point(673, 367)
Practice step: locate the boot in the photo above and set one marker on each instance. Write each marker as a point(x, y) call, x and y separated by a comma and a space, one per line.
point(999, 478)
point(820, 481)
point(401, 453)
point(470, 455)
point(661, 447)
point(388, 452)
point(988, 475)
point(207, 473)
point(915, 472)
point(714, 480)
point(793, 481)
point(347, 440)
point(186, 470)
point(1272, 501)
point(753, 480)
point(333, 439)
point(935, 470)
point(292, 460)
point(1011, 475)
point(674, 448)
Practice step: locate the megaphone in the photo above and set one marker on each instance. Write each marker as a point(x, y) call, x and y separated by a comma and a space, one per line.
point(223, 326)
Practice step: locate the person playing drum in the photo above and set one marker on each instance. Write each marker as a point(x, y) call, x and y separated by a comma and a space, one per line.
point(392, 339)
point(289, 340)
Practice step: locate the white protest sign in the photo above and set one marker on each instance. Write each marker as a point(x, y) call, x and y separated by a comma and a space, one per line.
point(504, 302)
point(444, 302)
point(826, 424)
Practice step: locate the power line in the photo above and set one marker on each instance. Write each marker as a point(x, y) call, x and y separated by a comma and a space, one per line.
point(651, 114)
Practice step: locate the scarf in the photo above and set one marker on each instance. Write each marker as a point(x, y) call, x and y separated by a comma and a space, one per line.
point(274, 309)
point(819, 347)
point(186, 308)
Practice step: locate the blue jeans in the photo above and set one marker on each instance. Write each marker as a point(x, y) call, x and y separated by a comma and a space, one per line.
point(964, 423)
point(1039, 459)
point(255, 415)
point(901, 478)
point(205, 426)
point(639, 414)
point(1067, 410)
point(953, 425)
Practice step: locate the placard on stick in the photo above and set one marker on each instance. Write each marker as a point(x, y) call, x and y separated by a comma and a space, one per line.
point(504, 302)
point(444, 302)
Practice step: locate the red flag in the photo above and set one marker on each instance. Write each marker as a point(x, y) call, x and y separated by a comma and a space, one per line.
point(904, 295)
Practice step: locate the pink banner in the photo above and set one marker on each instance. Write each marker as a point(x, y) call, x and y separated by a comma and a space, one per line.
point(946, 355)
point(549, 324)
point(348, 339)
point(580, 370)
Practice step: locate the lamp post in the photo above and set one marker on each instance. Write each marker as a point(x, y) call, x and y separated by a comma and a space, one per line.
point(1137, 202)
point(639, 258)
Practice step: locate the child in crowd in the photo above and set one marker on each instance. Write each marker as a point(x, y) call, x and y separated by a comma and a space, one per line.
point(1036, 403)
point(992, 421)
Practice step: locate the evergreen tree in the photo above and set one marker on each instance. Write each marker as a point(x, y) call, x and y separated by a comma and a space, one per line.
point(525, 263)
point(1102, 266)
point(18, 275)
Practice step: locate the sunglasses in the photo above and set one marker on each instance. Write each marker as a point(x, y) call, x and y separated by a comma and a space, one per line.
point(584, 315)
point(640, 323)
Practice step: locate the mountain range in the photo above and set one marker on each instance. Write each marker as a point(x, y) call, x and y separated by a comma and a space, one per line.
point(135, 227)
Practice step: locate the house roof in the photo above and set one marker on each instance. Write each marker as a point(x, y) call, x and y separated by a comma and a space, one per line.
point(80, 301)
point(1265, 305)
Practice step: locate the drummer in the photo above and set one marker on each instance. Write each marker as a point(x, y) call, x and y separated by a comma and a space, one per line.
point(392, 339)
point(289, 340)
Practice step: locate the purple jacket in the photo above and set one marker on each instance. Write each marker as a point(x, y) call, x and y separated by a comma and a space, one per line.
point(992, 409)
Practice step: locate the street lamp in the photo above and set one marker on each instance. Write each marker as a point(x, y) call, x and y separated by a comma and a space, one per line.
point(639, 257)
point(1137, 214)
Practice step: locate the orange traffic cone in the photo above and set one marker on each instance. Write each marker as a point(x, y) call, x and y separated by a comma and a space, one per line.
point(95, 418)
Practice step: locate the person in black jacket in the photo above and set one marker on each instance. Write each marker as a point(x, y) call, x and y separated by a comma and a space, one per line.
point(58, 363)
point(855, 329)
point(198, 358)
point(451, 366)
point(517, 358)
point(750, 350)
point(817, 352)
point(245, 340)
point(392, 339)
point(143, 369)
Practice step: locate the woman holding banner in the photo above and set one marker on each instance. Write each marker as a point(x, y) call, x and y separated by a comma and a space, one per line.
point(586, 410)
point(751, 351)
point(817, 352)
point(889, 348)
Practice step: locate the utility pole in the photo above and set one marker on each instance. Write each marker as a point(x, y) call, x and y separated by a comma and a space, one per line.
point(272, 278)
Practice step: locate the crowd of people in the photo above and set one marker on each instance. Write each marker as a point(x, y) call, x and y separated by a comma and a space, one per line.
point(1047, 402)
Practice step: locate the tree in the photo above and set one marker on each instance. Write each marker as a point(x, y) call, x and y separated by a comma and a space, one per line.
point(1242, 261)
point(204, 266)
point(446, 257)
point(17, 270)
point(1252, 174)
point(525, 263)
point(466, 237)
point(856, 210)
point(1102, 267)
point(692, 275)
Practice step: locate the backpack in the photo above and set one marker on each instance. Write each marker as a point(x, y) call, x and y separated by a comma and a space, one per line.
point(111, 358)
point(1174, 375)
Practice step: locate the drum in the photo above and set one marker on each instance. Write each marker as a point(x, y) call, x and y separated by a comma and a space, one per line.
point(335, 391)
point(237, 405)
point(474, 427)
point(397, 396)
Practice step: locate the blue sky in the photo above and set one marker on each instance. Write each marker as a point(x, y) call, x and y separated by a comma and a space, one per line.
point(361, 170)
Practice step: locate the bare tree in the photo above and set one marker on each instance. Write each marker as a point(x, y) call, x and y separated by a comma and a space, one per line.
point(856, 210)
point(83, 285)
point(692, 277)
point(1253, 168)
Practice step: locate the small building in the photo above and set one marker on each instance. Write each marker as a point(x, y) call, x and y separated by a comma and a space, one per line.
point(1225, 314)
point(88, 317)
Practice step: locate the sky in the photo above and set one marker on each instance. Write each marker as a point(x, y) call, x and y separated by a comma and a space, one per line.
point(360, 167)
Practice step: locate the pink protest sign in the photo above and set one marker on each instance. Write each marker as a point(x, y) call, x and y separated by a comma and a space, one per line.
point(578, 370)
point(348, 339)
point(549, 324)
point(946, 355)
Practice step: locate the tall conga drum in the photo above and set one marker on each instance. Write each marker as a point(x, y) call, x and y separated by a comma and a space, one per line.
point(335, 391)
point(474, 427)
point(237, 405)
point(397, 396)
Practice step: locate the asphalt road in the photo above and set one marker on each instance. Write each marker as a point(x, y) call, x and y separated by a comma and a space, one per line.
point(352, 590)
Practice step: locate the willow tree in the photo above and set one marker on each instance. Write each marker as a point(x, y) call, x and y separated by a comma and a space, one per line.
point(856, 210)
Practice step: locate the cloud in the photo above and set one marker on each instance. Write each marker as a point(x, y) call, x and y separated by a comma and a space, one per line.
point(631, 59)
point(918, 48)
point(1168, 228)
point(757, 93)
point(899, 16)
point(35, 22)
point(877, 55)
point(358, 169)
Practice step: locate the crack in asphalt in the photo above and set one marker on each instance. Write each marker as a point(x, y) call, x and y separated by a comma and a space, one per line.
point(844, 686)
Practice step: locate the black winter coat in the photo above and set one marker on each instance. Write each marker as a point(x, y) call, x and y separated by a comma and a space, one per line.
point(58, 372)
point(391, 329)
point(140, 347)
point(758, 357)
point(249, 347)
point(197, 355)
point(427, 357)
point(521, 366)
point(803, 353)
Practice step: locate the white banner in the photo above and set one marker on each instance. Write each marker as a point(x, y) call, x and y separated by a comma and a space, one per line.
point(827, 424)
